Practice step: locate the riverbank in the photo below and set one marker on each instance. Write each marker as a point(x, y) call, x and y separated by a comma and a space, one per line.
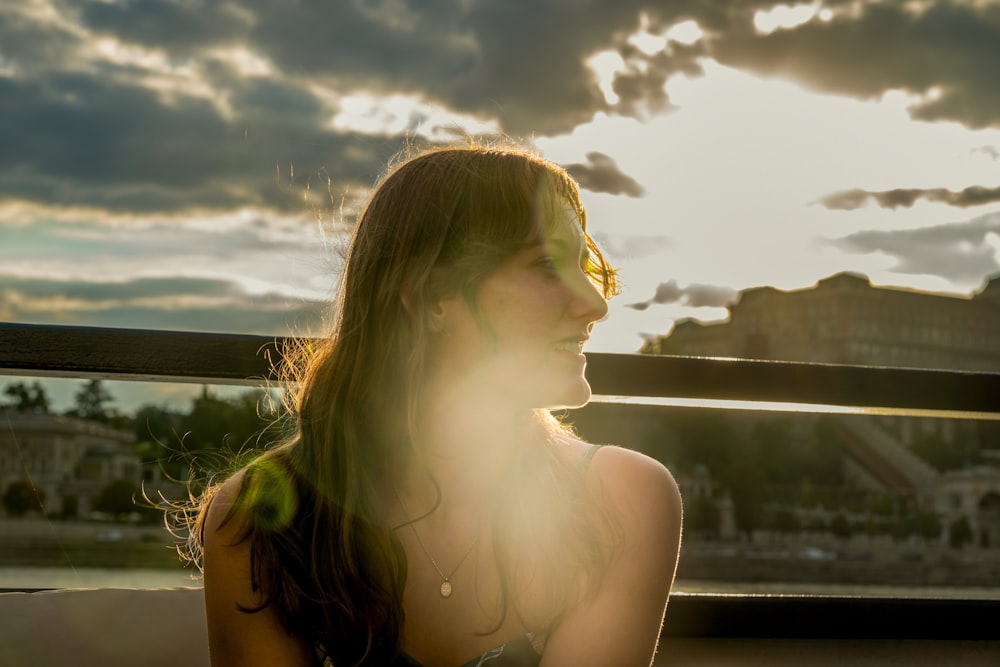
point(41, 543)
point(50, 546)
point(902, 565)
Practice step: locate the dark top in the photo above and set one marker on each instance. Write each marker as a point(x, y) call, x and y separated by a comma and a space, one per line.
point(524, 651)
point(521, 652)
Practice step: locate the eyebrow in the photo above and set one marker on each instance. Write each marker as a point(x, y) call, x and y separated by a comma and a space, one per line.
point(562, 247)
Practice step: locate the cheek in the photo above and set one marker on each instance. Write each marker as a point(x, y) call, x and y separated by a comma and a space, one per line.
point(524, 322)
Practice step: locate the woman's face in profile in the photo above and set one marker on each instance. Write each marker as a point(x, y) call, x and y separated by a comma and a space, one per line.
point(539, 306)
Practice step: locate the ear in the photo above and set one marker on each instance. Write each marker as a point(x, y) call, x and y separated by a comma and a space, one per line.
point(434, 312)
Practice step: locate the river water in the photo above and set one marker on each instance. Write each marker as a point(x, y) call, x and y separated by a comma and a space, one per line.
point(93, 577)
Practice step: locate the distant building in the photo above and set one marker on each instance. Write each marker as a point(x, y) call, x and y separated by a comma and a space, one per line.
point(68, 459)
point(973, 494)
point(846, 320)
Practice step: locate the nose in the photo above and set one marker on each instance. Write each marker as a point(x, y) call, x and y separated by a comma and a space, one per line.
point(587, 301)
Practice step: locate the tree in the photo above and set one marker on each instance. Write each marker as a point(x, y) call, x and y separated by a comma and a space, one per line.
point(27, 398)
point(702, 516)
point(927, 524)
point(117, 498)
point(92, 402)
point(841, 526)
point(22, 497)
point(784, 520)
point(158, 441)
point(944, 455)
point(231, 425)
point(749, 489)
point(959, 533)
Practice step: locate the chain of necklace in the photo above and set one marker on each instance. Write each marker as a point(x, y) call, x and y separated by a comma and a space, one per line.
point(446, 585)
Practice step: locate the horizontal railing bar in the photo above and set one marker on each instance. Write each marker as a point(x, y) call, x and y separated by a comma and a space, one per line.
point(830, 617)
point(137, 354)
point(150, 355)
point(707, 615)
point(225, 358)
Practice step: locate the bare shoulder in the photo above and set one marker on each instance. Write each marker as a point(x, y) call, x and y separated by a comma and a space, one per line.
point(621, 624)
point(226, 545)
point(637, 483)
point(221, 525)
point(236, 637)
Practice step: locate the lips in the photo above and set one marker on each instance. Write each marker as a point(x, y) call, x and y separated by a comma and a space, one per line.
point(572, 345)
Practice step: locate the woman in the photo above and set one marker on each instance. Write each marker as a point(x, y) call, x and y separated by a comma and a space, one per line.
point(429, 509)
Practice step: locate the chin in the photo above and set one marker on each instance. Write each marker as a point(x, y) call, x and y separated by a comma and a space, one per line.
point(571, 395)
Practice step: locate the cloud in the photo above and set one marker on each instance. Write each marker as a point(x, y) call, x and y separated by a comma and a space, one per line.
point(991, 151)
point(694, 295)
point(906, 197)
point(938, 50)
point(104, 252)
point(184, 106)
point(632, 246)
point(84, 140)
point(170, 303)
point(602, 175)
point(165, 106)
point(963, 252)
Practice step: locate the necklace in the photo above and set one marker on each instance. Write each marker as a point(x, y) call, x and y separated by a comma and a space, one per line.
point(446, 587)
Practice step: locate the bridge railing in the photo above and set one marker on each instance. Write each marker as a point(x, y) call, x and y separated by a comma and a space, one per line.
point(208, 358)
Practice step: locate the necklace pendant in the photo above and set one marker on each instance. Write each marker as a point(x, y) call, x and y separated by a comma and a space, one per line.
point(446, 589)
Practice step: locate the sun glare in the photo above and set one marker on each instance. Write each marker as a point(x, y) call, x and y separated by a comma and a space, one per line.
point(388, 115)
point(784, 17)
point(775, 406)
point(685, 32)
point(244, 61)
point(606, 65)
point(128, 54)
point(153, 70)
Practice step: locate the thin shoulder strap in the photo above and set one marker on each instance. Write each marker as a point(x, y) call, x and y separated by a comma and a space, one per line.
point(588, 455)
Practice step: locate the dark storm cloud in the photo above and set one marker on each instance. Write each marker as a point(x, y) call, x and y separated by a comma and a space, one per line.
point(951, 47)
point(82, 130)
point(521, 62)
point(962, 251)
point(103, 292)
point(168, 24)
point(848, 200)
point(62, 244)
point(601, 174)
point(694, 295)
point(84, 140)
point(175, 303)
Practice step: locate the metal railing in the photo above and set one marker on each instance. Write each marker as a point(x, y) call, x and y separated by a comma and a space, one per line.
point(87, 352)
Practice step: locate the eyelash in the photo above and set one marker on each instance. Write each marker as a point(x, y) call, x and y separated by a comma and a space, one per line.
point(551, 265)
point(548, 262)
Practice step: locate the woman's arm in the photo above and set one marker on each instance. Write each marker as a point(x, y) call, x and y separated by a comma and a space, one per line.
point(620, 625)
point(236, 637)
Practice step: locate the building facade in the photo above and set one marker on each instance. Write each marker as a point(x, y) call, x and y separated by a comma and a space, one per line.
point(844, 319)
point(69, 460)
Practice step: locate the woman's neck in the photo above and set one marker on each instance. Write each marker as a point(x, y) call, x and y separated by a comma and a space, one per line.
point(463, 452)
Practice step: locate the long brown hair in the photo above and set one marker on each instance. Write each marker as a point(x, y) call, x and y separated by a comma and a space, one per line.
point(321, 554)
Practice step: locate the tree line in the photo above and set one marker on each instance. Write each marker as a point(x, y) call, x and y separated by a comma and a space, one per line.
point(187, 446)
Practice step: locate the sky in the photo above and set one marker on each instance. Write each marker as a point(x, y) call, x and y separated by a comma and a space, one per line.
point(196, 164)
